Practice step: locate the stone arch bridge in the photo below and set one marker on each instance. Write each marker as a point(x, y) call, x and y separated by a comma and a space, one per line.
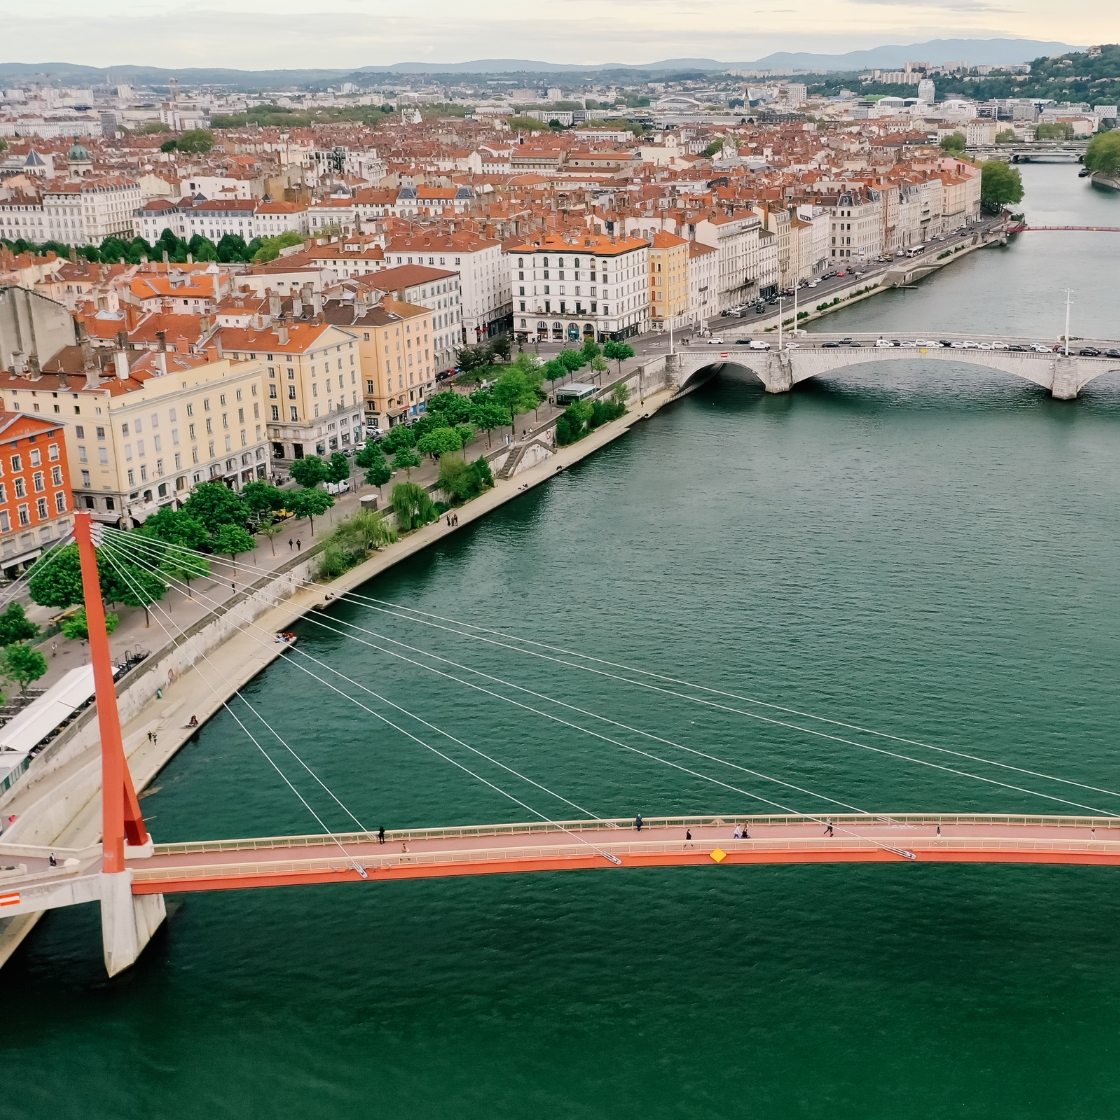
point(815, 355)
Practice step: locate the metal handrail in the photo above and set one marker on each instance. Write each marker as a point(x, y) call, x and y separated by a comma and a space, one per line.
point(626, 823)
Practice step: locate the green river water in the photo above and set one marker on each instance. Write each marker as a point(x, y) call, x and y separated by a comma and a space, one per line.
point(927, 549)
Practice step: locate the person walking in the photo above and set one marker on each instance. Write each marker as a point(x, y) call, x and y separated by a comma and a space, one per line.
point(738, 833)
point(53, 862)
point(638, 822)
point(381, 835)
point(299, 545)
point(828, 827)
point(291, 545)
point(688, 833)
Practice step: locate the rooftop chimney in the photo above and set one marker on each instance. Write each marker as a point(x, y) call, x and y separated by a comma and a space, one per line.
point(120, 360)
point(297, 306)
point(282, 335)
point(161, 341)
point(86, 344)
point(33, 370)
point(274, 305)
point(166, 258)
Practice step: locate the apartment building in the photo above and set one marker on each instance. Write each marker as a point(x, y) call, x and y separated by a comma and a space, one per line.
point(856, 233)
point(143, 427)
point(397, 361)
point(214, 218)
point(484, 284)
point(703, 283)
point(35, 505)
point(735, 237)
point(668, 281)
point(580, 286)
point(75, 212)
point(312, 390)
point(437, 289)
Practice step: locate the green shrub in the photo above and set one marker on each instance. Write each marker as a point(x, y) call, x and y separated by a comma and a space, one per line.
point(461, 480)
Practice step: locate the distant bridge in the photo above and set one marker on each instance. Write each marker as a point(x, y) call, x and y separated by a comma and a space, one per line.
point(1022, 227)
point(1036, 360)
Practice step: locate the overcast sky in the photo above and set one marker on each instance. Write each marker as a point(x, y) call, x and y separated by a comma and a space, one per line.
point(262, 34)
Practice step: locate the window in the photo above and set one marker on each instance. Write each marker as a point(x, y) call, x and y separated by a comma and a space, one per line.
point(36, 457)
point(5, 523)
point(52, 451)
point(82, 457)
point(24, 515)
point(295, 415)
point(56, 475)
point(291, 392)
point(131, 477)
point(190, 410)
point(276, 413)
point(21, 489)
point(100, 433)
point(17, 463)
point(41, 509)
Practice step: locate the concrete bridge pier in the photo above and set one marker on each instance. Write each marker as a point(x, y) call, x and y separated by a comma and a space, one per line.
point(127, 921)
point(776, 372)
point(1066, 382)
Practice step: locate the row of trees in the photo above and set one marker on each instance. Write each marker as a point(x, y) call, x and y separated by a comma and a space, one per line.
point(230, 249)
point(1103, 153)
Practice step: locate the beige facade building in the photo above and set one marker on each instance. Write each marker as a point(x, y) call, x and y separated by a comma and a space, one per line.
point(146, 427)
point(668, 281)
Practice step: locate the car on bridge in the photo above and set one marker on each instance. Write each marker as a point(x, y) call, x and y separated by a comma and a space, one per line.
point(1039, 349)
point(715, 341)
point(1089, 352)
point(759, 344)
point(1113, 353)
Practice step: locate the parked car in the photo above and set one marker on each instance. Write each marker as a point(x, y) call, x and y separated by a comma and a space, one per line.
point(342, 487)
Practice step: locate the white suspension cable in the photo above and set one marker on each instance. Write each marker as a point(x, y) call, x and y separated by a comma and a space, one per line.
point(122, 572)
point(615, 742)
point(377, 715)
point(365, 600)
point(571, 707)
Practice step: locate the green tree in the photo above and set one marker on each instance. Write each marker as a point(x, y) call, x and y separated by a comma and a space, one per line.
point(618, 352)
point(233, 540)
point(461, 480)
point(714, 147)
point(516, 392)
point(232, 248)
point(465, 433)
point(396, 438)
point(451, 408)
point(261, 500)
point(591, 350)
point(571, 360)
point(310, 504)
point(196, 140)
point(1103, 153)
point(405, 459)
point(214, 504)
point(175, 526)
point(168, 146)
point(442, 441)
point(77, 626)
point(955, 142)
point(59, 582)
point(134, 586)
point(372, 460)
point(338, 468)
point(19, 662)
point(1000, 183)
point(15, 627)
point(1006, 136)
point(472, 358)
point(269, 247)
point(599, 364)
point(413, 506)
point(487, 415)
point(1060, 130)
point(309, 471)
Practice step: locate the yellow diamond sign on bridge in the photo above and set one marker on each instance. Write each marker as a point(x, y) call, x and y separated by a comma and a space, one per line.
point(719, 855)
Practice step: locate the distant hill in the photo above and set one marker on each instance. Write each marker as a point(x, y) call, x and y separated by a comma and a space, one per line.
point(976, 51)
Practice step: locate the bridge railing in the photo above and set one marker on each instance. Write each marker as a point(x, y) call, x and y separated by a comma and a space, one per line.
point(614, 824)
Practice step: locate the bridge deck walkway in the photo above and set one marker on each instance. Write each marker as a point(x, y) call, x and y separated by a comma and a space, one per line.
point(234, 864)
